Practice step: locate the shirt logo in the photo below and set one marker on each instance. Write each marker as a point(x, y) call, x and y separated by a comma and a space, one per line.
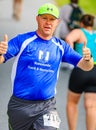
point(51, 9)
point(43, 55)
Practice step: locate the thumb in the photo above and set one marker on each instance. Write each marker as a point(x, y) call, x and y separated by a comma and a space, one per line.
point(5, 38)
point(84, 45)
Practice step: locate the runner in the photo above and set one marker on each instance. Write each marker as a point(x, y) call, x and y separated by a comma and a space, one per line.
point(80, 81)
point(38, 56)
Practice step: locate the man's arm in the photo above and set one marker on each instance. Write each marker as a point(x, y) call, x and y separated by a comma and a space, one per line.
point(1, 59)
point(86, 65)
point(3, 48)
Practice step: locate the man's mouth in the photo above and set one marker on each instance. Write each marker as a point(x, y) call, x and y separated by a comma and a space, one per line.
point(47, 28)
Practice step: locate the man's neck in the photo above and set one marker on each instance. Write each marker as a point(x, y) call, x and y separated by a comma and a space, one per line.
point(45, 37)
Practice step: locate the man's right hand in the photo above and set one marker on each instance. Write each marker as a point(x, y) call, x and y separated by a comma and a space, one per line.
point(4, 45)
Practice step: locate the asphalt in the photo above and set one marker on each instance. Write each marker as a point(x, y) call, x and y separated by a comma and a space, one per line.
point(28, 23)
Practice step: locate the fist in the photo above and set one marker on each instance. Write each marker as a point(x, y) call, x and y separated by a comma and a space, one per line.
point(86, 53)
point(4, 45)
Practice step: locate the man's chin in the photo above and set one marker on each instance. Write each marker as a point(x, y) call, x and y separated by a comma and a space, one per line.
point(47, 33)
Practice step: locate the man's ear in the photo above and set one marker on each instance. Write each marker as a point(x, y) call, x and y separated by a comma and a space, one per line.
point(37, 18)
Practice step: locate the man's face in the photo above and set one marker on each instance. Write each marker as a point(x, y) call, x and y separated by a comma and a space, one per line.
point(46, 24)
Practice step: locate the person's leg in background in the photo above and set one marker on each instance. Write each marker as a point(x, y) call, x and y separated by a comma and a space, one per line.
point(75, 89)
point(17, 9)
point(72, 109)
point(90, 109)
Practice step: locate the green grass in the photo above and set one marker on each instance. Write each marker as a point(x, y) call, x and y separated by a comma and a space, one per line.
point(89, 6)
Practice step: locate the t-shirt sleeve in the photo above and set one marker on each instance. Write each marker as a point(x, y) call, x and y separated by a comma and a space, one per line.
point(70, 55)
point(13, 48)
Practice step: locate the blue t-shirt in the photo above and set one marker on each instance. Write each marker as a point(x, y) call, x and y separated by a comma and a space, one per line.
point(36, 66)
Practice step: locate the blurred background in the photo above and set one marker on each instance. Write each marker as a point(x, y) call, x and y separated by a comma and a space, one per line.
point(88, 6)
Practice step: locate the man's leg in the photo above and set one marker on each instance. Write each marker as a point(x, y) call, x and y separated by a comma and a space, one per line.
point(90, 108)
point(49, 121)
point(72, 109)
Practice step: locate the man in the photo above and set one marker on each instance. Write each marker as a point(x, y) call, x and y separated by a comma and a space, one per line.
point(81, 81)
point(38, 55)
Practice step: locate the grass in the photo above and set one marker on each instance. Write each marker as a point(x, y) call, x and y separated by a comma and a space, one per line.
point(88, 6)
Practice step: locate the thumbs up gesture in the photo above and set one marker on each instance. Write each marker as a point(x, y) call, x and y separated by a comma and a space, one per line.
point(4, 45)
point(86, 52)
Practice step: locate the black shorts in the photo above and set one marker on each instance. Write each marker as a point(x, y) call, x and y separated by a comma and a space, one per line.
point(82, 81)
point(32, 115)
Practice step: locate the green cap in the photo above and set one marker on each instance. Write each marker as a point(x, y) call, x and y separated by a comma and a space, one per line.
point(49, 8)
